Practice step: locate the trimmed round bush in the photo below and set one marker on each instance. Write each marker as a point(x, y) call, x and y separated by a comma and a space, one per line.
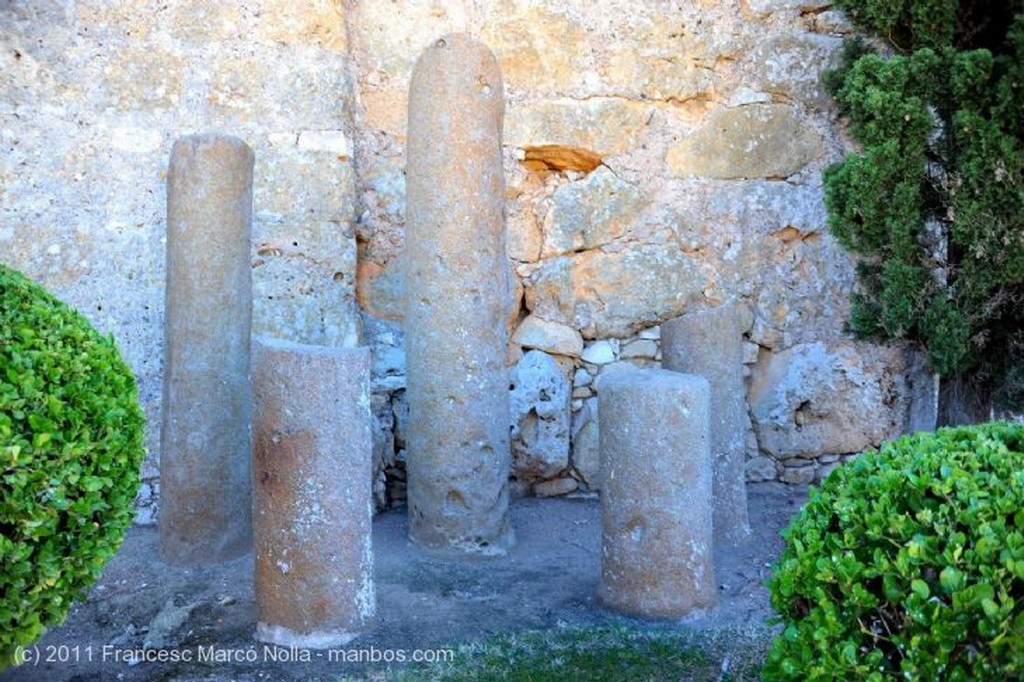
point(70, 450)
point(908, 563)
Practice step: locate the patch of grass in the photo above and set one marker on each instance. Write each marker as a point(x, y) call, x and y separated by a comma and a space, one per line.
point(604, 654)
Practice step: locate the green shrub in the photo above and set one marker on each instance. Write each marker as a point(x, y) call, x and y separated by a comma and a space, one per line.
point(909, 563)
point(933, 201)
point(70, 451)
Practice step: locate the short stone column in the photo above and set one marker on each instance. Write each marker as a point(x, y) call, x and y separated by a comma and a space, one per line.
point(656, 547)
point(457, 301)
point(312, 455)
point(710, 343)
point(205, 445)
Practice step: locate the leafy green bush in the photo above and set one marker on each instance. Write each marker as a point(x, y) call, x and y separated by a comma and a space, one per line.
point(70, 451)
point(909, 563)
point(933, 202)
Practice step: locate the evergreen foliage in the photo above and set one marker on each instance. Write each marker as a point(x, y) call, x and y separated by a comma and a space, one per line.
point(933, 202)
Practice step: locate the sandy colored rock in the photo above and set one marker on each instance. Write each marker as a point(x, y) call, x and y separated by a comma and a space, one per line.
point(601, 126)
point(755, 141)
point(586, 450)
point(380, 289)
point(555, 487)
point(590, 213)
point(709, 343)
point(539, 410)
point(656, 504)
point(612, 294)
point(811, 399)
point(312, 503)
point(457, 300)
point(205, 470)
point(550, 337)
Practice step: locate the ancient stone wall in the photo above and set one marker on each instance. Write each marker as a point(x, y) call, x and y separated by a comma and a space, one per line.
point(660, 158)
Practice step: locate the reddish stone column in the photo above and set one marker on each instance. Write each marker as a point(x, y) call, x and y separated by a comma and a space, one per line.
point(656, 546)
point(457, 302)
point(205, 445)
point(710, 343)
point(312, 457)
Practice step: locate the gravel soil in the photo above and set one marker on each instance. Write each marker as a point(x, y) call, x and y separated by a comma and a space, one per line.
point(201, 622)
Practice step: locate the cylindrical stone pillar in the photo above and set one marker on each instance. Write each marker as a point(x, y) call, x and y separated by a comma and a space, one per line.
point(457, 290)
point(312, 458)
point(710, 343)
point(656, 546)
point(205, 445)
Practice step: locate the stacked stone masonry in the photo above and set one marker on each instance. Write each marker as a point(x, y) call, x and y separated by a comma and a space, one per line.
point(659, 159)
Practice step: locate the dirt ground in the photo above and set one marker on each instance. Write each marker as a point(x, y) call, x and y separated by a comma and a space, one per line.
point(203, 620)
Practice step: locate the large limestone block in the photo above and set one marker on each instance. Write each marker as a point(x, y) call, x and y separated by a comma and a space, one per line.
point(754, 141)
point(457, 302)
point(590, 213)
point(539, 404)
point(304, 280)
point(656, 548)
point(605, 126)
point(205, 471)
point(550, 337)
point(614, 294)
point(792, 64)
point(811, 400)
point(312, 454)
point(710, 343)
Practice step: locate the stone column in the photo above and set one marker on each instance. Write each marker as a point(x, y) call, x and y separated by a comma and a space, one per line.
point(312, 455)
point(457, 302)
point(656, 546)
point(205, 445)
point(710, 343)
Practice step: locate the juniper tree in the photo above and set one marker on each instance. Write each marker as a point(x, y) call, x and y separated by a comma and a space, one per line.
point(932, 202)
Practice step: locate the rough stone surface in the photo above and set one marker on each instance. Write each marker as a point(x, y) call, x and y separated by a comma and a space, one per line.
point(601, 352)
point(312, 505)
point(812, 400)
point(656, 505)
point(799, 472)
point(761, 469)
point(550, 337)
point(457, 302)
point(755, 141)
point(923, 388)
point(613, 294)
point(709, 343)
point(640, 349)
point(206, 512)
point(593, 212)
point(539, 407)
point(790, 67)
point(599, 94)
point(555, 487)
point(586, 446)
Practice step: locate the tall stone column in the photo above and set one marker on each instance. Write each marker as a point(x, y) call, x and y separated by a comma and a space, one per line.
point(457, 299)
point(205, 453)
point(312, 459)
point(656, 542)
point(710, 343)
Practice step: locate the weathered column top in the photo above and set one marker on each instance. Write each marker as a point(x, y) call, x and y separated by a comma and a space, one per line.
point(649, 378)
